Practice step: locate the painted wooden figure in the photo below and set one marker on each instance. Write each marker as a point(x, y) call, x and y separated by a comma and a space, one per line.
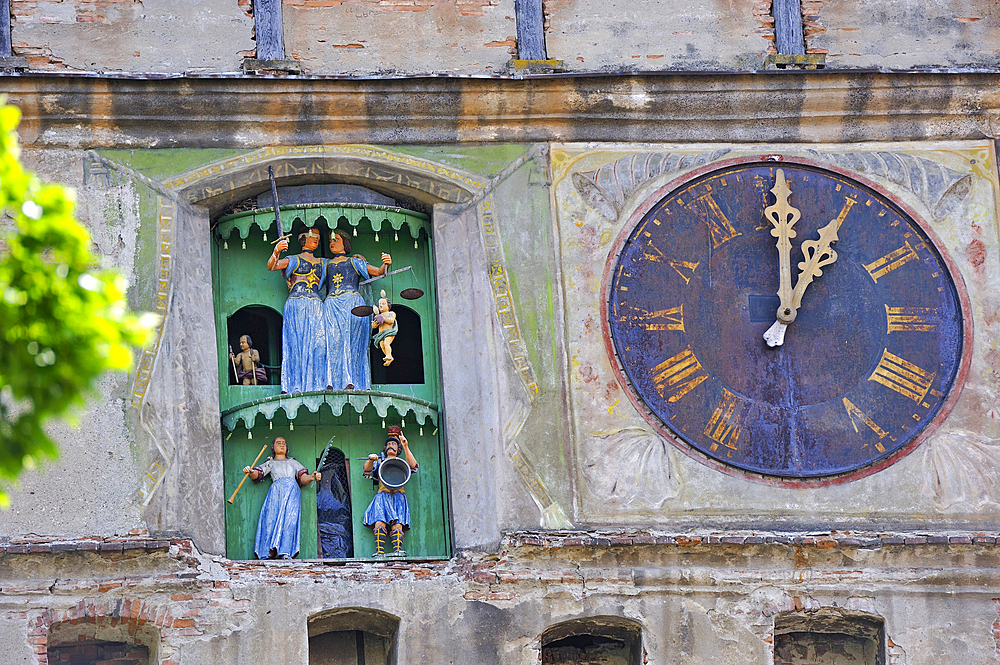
point(389, 513)
point(247, 362)
point(386, 329)
point(346, 336)
point(278, 525)
point(303, 341)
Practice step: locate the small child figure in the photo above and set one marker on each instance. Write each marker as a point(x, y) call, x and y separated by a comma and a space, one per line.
point(385, 325)
point(248, 369)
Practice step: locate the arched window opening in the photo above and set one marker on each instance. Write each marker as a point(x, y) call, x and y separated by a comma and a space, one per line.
point(82, 642)
point(94, 653)
point(353, 636)
point(407, 351)
point(829, 636)
point(333, 508)
point(263, 326)
point(607, 639)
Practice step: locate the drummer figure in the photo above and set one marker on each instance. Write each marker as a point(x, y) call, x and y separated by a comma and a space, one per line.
point(388, 513)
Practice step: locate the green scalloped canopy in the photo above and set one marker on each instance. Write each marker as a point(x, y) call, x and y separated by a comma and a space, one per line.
point(341, 215)
point(335, 401)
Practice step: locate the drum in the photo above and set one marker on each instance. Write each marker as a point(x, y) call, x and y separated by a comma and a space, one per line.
point(393, 472)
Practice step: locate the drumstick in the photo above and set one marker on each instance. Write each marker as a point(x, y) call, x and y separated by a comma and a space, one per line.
point(247, 474)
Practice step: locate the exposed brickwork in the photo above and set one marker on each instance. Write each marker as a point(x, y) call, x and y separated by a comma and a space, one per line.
point(765, 20)
point(811, 25)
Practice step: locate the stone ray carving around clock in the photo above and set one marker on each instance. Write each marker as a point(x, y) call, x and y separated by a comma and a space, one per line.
point(939, 187)
point(642, 474)
point(608, 188)
point(958, 471)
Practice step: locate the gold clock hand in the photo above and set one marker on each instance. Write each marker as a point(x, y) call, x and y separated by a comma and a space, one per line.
point(783, 216)
point(819, 254)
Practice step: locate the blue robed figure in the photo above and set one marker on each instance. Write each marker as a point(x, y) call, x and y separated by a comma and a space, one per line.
point(278, 526)
point(346, 334)
point(303, 338)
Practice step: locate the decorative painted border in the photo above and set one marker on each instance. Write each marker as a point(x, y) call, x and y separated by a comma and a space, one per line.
point(462, 191)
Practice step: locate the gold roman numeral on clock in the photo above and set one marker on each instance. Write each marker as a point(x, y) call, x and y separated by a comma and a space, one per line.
point(854, 412)
point(725, 425)
point(892, 260)
point(678, 375)
point(683, 268)
point(904, 377)
point(910, 319)
point(709, 212)
point(669, 319)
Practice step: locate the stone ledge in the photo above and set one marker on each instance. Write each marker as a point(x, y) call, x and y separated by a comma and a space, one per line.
point(13, 63)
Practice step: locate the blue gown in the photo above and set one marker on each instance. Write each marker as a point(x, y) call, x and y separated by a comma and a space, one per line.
point(278, 526)
point(303, 342)
point(346, 335)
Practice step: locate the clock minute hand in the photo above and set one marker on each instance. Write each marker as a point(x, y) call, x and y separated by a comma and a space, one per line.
point(783, 216)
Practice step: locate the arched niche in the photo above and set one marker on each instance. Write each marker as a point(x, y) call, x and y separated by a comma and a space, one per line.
point(827, 635)
point(263, 325)
point(605, 639)
point(79, 642)
point(353, 636)
point(407, 349)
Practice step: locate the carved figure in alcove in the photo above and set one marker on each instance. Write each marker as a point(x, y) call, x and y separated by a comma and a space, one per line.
point(248, 368)
point(278, 525)
point(389, 513)
point(384, 323)
point(347, 334)
point(303, 341)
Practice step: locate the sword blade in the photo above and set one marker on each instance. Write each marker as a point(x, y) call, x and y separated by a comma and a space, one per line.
point(274, 197)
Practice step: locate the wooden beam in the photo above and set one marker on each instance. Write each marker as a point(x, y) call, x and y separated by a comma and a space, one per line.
point(269, 29)
point(5, 44)
point(530, 20)
point(788, 27)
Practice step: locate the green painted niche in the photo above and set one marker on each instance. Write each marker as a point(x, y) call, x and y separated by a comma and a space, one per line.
point(249, 299)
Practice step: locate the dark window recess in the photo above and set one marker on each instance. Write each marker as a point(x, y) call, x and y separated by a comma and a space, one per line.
point(828, 637)
point(263, 325)
point(610, 640)
point(352, 636)
point(407, 350)
point(5, 41)
point(95, 653)
point(335, 539)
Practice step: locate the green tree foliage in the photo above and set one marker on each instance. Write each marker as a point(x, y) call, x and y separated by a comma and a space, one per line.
point(63, 319)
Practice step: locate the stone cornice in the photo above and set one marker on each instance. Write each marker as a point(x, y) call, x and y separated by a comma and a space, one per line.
point(238, 112)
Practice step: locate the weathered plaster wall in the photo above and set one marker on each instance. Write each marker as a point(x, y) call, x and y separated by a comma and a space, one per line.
point(170, 36)
point(649, 36)
point(400, 36)
point(909, 34)
point(697, 599)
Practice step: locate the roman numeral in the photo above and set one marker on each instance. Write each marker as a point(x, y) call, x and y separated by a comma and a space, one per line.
point(683, 268)
point(854, 412)
point(902, 376)
point(910, 319)
point(725, 425)
point(678, 375)
point(892, 260)
point(709, 212)
point(671, 319)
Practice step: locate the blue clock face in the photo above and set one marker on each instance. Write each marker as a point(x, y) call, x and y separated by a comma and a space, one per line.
point(866, 366)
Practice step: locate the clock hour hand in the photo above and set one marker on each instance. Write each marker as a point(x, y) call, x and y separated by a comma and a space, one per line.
point(818, 254)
